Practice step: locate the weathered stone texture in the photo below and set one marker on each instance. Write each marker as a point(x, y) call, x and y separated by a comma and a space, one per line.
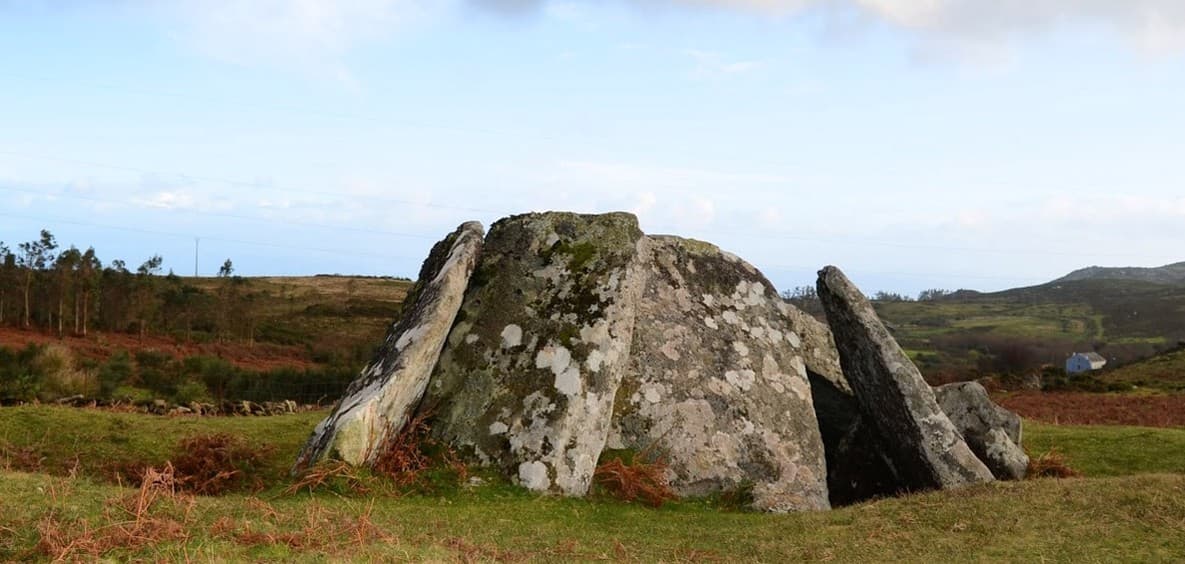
point(386, 392)
point(717, 384)
point(921, 443)
point(992, 432)
point(527, 380)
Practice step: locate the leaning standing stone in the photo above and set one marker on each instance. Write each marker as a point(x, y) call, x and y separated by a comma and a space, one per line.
point(527, 380)
point(920, 441)
point(380, 401)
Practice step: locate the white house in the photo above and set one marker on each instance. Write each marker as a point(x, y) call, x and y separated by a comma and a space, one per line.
point(1084, 362)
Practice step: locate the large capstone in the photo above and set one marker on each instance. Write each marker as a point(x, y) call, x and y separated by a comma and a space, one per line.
point(717, 384)
point(920, 443)
point(992, 432)
point(528, 378)
point(381, 399)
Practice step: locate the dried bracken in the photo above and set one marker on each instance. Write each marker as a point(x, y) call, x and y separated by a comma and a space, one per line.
point(635, 480)
point(335, 475)
point(1051, 464)
point(402, 456)
point(217, 463)
point(1078, 408)
point(155, 514)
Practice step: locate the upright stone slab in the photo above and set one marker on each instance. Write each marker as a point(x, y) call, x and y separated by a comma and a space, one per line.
point(717, 384)
point(920, 442)
point(380, 400)
point(527, 380)
point(992, 432)
point(857, 468)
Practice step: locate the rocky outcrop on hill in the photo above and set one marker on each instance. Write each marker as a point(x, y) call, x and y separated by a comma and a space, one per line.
point(564, 335)
point(920, 444)
point(389, 389)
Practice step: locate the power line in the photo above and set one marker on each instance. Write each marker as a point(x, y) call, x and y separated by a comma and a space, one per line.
point(70, 221)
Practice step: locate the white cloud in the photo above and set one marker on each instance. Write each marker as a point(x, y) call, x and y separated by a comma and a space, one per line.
point(312, 35)
point(971, 25)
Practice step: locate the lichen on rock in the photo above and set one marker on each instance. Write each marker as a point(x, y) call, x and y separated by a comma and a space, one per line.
point(919, 441)
point(380, 400)
point(542, 347)
point(717, 384)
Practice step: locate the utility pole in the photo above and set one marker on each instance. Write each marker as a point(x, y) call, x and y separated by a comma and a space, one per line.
point(197, 242)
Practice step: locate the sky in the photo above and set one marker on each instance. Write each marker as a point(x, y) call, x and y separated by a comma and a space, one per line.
point(916, 144)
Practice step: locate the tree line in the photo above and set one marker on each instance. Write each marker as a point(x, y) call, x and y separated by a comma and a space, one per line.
point(71, 291)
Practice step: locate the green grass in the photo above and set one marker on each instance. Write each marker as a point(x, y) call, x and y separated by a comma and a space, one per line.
point(1101, 451)
point(1130, 507)
point(99, 440)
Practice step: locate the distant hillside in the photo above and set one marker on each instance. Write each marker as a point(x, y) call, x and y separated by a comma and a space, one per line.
point(1167, 274)
point(969, 333)
point(1164, 371)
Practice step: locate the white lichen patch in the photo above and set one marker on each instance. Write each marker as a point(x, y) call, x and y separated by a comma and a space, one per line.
point(512, 336)
point(555, 358)
point(471, 338)
point(730, 317)
point(741, 348)
point(711, 323)
point(568, 382)
point(595, 360)
point(652, 392)
point(793, 338)
point(533, 476)
point(498, 428)
point(742, 379)
point(412, 335)
point(799, 366)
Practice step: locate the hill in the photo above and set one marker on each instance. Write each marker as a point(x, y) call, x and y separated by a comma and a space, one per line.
point(1167, 274)
point(1165, 371)
point(300, 338)
point(1020, 329)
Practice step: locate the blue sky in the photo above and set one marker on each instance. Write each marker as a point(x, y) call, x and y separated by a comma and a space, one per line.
point(945, 143)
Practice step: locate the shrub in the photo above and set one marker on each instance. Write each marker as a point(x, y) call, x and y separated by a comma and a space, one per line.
point(116, 372)
point(131, 394)
point(191, 391)
point(18, 379)
point(60, 376)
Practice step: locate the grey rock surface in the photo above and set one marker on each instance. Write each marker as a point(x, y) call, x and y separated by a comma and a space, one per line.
point(920, 443)
point(532, 365)
point(717, 384)
point(381, 399)
point(992, 432)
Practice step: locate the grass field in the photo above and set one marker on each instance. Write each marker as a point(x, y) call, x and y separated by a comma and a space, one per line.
point(1129, 506)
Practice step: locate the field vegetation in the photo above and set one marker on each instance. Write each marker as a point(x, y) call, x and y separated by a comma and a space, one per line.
point(58, 501)
point(71, 325)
